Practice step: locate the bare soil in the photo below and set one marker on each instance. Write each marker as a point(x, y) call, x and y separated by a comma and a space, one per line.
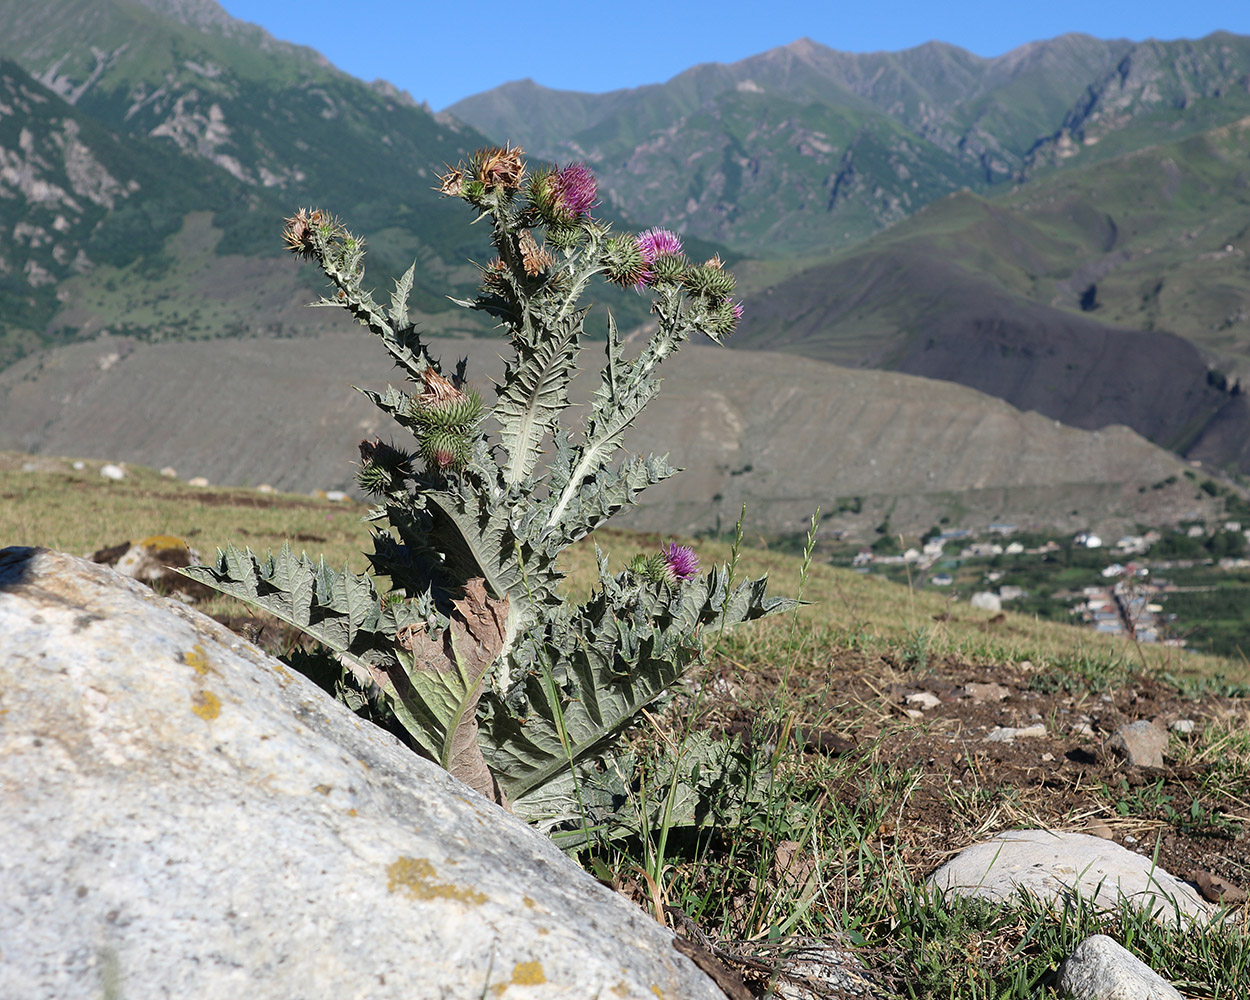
point(968, 788)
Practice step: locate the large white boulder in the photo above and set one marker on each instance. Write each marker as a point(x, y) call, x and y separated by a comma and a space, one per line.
point(1055, 867)
point(181, 815)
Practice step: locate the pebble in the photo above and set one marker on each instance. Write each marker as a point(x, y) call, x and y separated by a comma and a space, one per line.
point(1008, 734)
point(924, 700)
point(114, 472)
point(1140, 743)
point(197, 481)
point(1183, 726)
point(984, 692)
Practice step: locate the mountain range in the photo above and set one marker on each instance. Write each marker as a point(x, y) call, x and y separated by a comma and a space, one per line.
point(1063, 227)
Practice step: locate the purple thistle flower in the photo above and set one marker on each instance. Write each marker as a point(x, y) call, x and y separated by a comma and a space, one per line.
point(654, 242)
point(737, 311)
point(683, 564)
point(576, 189)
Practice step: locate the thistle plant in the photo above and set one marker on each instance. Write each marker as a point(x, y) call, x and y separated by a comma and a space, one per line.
point(517, 691)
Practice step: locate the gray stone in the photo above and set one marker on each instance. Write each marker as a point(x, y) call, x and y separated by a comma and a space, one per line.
point(181, 815)
point(986, 600)
point(923, 700)
point(981, 693)
point(1099, 969)
point(1140, 743)
point(1009, 734)
point(1183, 726)
point(1055, 867)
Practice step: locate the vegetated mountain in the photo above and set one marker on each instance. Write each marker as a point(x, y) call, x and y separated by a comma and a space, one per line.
point(76, 198)
point(216, 131)
point(1009, 296)
point(161, 112)
point(782, 434)
point(841, 144)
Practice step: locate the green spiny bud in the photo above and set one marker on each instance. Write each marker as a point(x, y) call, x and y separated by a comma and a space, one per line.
point(447, 450)
point(451, 414)
point(710, 280)
point(623, 261)
point(722, 319)
point(565, 237)
point(669, 268)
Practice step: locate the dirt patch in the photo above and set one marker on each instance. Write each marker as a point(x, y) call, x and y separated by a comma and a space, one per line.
point(968, 785)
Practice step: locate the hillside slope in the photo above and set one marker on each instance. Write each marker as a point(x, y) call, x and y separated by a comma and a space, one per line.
point(781, 433)
point(1113, 293)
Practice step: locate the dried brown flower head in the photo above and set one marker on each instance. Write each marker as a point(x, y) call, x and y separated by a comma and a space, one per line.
point(493, 275)
point(451, 183)
point(534, 259)
point(499, 167)
point(715, 263)
point(438, 389)
point(297, 232)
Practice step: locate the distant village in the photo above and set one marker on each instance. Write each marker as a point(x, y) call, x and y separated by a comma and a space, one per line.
point(1129, 603)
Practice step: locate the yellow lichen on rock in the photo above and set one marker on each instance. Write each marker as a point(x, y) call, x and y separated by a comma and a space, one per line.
point(417, 877)
point(197, 660)
point(206, 705)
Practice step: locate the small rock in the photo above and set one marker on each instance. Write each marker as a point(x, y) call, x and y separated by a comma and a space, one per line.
point(1008, 734)
point(1097, 828)
point(114, 472)
point(169, 472)
point(79, 465)
point(1083, 729)
point(1216, 889)
point(1048, 757)
point(923, 700)
point(913, 713)
point(338, 496)
point(1140, 743)
point(1054, 866)
point(981, 693)
point(1099, 969)
point(197, 481)
point(265, 488)
point(1183, 726)
point(986, 600)
point(30, 466)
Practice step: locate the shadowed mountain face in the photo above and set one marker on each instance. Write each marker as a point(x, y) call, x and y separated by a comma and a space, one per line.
point(937, 321)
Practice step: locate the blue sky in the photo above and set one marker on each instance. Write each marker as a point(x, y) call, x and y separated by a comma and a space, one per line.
point(443, 51)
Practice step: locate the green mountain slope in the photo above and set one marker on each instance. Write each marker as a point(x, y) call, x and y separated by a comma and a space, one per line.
point(1114, 293)
point(905, 128)
point(77, 200)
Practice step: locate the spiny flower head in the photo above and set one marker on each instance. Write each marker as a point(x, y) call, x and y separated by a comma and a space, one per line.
point(722, 319)
point(299, 230)
point(623, 261)
point(681, 561)
point(654, 242)
point(498, 167)
point(578, 191)
point(564, 197)
point(709, 279)
point(534, 259)
point(451, 184)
